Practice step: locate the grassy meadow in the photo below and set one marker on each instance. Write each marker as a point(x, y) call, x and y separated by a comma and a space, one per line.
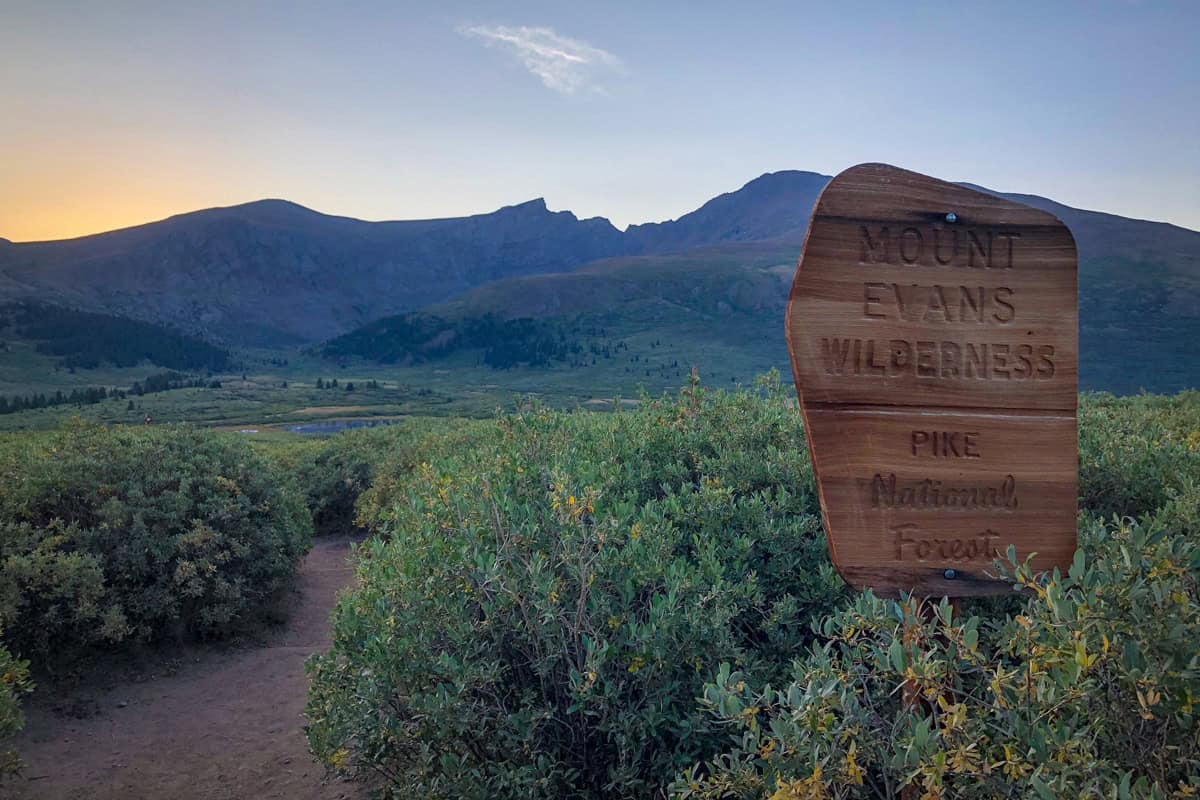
point(278, 388)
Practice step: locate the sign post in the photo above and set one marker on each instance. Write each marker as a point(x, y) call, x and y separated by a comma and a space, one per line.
point(932, 334)
point(933, 337)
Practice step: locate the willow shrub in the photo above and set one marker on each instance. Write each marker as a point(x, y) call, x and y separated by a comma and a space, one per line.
point(14, 683)
point(1135, 451)
point(335, 471)
point(547, 594)
point(1089, 692)
point(1084, 685)
point(112, 535)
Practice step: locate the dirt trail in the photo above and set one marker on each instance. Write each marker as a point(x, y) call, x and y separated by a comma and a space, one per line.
point(227, 725)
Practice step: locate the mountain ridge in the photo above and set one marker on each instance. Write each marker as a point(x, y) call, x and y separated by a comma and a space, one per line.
point(540, 203)
point(207, 271)
point(275, 273)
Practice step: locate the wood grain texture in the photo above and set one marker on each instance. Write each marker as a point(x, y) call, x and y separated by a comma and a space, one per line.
point(936, 362)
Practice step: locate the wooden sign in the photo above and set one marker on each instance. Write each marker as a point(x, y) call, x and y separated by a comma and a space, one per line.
point(932, 333)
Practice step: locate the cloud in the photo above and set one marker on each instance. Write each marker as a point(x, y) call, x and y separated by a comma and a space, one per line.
point(565, 65)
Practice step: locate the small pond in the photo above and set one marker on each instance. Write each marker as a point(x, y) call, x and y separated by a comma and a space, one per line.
point(329, 426)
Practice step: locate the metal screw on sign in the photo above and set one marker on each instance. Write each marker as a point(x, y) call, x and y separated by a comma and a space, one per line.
point(952, 217)
point(950, 574)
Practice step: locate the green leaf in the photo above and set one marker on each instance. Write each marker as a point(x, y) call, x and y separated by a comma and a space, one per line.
point(1078, 565)
point(896, 655)
point(1043, 791)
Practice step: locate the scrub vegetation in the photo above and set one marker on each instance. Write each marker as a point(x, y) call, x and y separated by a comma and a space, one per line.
point(117, 535)
point(640, 603)
point(635, 603)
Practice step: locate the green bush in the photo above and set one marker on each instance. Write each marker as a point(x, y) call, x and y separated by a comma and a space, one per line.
point(549, 589)
point(1089, 691)
point(1134, 451)
point(14, 682)
point(399, 451)
point(111, 535)
point(339, 469)
point(548, 592)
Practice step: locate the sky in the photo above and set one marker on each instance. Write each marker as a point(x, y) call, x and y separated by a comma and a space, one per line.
point(118, 113)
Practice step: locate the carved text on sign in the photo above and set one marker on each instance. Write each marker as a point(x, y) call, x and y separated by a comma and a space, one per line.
point(947, 247)
point(887, 492)
point(910, 545)
point(945, 444)
point(937, 303)
point(937, 359)
point(932, 333)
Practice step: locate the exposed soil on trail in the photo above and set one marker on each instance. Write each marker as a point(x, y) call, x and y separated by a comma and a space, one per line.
point(225, 725)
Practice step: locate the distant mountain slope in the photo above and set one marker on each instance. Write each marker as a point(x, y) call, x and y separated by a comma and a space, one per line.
point(1100, 236)
point(273, 272)
point(1142, 255)
point(772, 206)
point(88, 340)
point(1139, 295)
point(748, 276)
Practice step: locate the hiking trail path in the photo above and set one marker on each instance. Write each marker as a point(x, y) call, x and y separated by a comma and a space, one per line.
point(226, 724)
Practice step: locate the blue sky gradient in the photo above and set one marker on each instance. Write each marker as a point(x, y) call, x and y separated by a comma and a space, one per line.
point(123, 112)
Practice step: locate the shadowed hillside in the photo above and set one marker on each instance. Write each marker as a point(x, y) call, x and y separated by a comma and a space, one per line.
point(1139, 290)
point(275, 274)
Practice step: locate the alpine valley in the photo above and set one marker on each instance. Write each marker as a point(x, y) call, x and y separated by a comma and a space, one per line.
point(266, 312)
